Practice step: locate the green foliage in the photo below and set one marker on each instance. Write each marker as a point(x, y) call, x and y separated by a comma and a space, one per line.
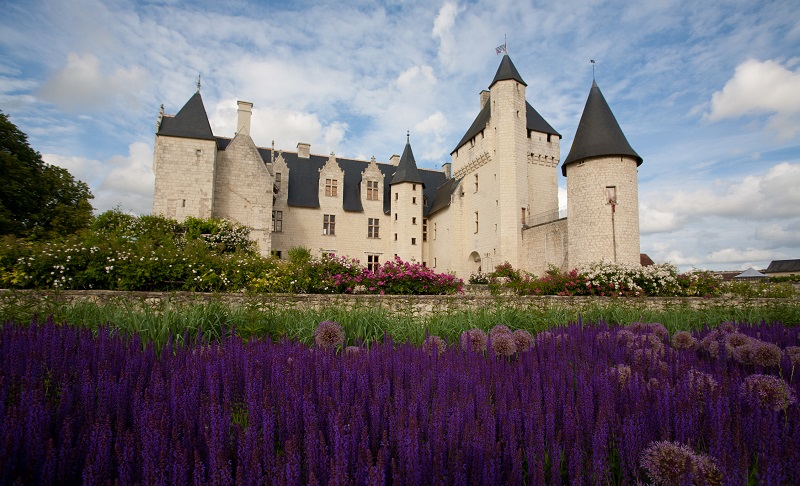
point(760, 289)
point(37, 200)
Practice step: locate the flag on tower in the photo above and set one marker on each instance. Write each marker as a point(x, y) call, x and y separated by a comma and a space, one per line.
point(500, 49)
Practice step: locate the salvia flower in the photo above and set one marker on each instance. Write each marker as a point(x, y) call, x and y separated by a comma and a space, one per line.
point(768, 392)
point(434, 345)
point(683, 340)
point(523, 340)
point(329, 334)
point(503, 344)
point(474, 340)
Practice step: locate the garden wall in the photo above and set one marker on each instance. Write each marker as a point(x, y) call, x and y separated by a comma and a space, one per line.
point(474, 297)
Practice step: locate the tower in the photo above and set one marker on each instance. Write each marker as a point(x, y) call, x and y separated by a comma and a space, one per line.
point(602, 189)
point(407, 208)
point(184, 162)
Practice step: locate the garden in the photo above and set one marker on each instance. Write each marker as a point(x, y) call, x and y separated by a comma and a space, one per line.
point(592, 386)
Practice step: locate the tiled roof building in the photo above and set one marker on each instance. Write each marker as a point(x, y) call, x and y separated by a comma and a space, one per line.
point(495, 201)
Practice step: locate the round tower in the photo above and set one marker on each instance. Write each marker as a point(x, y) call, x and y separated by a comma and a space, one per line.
point(602, 189)
point(406, 208)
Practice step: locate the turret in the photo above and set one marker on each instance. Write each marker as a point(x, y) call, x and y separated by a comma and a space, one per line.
point(407, 206)
point(602, 189)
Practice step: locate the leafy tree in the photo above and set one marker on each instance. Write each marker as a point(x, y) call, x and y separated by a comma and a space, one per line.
point(37, 200)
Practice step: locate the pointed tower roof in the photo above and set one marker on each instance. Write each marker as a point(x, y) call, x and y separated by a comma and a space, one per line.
point(407, 168)
point(506, 71)
point(598, 133)
point(190, 122)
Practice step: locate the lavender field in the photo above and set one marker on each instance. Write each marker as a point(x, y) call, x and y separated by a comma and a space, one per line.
point(581, 404)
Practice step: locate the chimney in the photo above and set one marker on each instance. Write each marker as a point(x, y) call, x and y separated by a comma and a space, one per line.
point(243, 123)
point(484, 97)
point(446, 169)
point(394, 160)
point(303, 150)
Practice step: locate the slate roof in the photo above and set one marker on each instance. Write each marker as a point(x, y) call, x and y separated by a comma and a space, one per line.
point(443, 195)
point(751, 273)
point(534, 120)
point(407, 168)
point(780, 266)
point(598, 133)
point(190, 122)
point(507, 71)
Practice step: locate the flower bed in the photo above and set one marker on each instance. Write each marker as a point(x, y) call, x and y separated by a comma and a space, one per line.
point(583, 405)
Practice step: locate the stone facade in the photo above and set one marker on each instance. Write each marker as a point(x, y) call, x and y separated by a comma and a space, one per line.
point(495, 202)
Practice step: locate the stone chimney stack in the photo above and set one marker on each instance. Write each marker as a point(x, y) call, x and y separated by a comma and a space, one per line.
point(245, 112)
point(484, 97)
point(394, 160)
point(303, 150)
point(447, 169)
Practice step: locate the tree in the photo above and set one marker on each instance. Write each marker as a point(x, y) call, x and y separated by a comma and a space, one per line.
point(37, 200)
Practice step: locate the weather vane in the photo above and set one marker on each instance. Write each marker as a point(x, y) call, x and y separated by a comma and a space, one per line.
point(592, 61)
point(198, 83)
point(503, 48)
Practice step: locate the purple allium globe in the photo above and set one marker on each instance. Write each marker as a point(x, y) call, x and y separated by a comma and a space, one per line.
point(793, 352)
point(683, 340)
point(756, 352)
point(621, 373)
point(650, 328)
point(706, 471)
point(434, 345)
point(668, 462)
point(473, 340)
point(701, 384)
point(523, 340)
point(503, 344)
point(768, 392)
point(498, 329)
point(735, 340)
point(351, 350)
point(329, 334)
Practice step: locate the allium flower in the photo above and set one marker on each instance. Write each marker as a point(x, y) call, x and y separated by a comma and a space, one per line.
point(650, 328)
point(711, 343)
point(544, 336)
point(625, 336)
point(473, 340)
point(351, 350)
point(328, 334)
point(735, 340)
point(701, 384)
point(768, 392)
point(793, 352)
point(503, 344)
point(434, 345)
point(685, 340)
point(523, 340)
point(757, 352)
point(674, 463)
point(622, 373)
point(498, 329)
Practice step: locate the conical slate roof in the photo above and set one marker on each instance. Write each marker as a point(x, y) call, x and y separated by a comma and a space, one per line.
point(598, 133)
point(407, 168)
point(506, 71)
point(750, 273)
point(190, 122)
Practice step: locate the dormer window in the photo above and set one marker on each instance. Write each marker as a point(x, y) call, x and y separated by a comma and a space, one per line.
point(331, 187)
point(372, 190)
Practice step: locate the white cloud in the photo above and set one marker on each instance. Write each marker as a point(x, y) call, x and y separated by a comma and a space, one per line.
point(443, 30)
point(761, 88)
point(432, 132)
point(81, 84)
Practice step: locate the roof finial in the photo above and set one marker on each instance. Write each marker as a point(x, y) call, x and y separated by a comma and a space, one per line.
point(408, 137)
point(503, 48)
point(198, 82)
point(592, 61)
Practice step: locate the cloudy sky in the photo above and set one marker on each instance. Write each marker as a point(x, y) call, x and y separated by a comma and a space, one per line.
point(708, 93)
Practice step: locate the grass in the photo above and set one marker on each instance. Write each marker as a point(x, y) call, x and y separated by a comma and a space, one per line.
point(363, 325)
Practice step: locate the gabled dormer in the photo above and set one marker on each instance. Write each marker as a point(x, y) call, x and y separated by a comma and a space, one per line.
point(331, 184)
point(372, 186)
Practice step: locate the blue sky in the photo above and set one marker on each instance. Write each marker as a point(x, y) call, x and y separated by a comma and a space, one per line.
point(708, 93)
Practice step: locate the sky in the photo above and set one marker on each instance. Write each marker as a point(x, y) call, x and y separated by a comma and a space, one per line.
point(707, 93)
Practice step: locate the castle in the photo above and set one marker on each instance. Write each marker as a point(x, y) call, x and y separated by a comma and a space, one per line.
point(496, 200)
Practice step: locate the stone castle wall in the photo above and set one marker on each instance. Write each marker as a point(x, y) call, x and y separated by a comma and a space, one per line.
point(185, 173)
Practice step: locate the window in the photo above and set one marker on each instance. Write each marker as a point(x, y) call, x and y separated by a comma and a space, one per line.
point(413, 200)
point(523, 215)
point(434, 231)
point(277, 221)
point(395, 216)
point(395, 237)
point(424, 229)
point(183, 204)
point(277, 181)
point(373, 228)
point(396, 195)
point(414, 220)
point(372, 262)
point(413, 187)
point(434, 262)
point(276, 254)
point(329, 224)
point(548, 137)
point(611, 195)
point(331, 187)
point(476, 182)
point(413, 241)
point(372, 190)
point(476, 221)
